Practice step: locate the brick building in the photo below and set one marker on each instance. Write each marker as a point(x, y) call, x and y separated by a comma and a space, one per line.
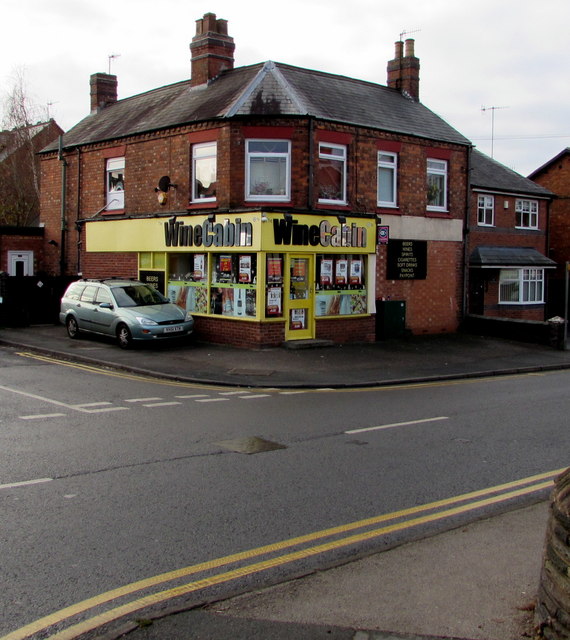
point(507, 243)
point(274, 202)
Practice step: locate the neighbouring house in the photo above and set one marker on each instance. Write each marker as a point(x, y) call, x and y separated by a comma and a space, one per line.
point(276, 203)
point(507, 243)
point(20, 172)
point(555, 176)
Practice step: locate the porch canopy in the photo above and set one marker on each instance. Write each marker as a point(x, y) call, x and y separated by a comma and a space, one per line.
point(509, 257)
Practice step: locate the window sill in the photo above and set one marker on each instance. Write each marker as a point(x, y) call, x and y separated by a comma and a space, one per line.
point(338, 206)
point(388, 208)
point(286, 202)
point(205, 204)
point(430, 213)
point(113, 212)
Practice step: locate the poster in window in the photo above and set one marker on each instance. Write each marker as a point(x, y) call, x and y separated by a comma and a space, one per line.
point(326, 271)
point(341, 271)
point(355, 271)
point(274, 269)
point(226, 264)
point(245, 269)
point(228, 302)
point(274, 295)
point(298, 269)
point(199, 266)
point(298, 319)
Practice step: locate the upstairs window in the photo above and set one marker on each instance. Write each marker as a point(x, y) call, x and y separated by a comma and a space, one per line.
point(527, 214)
point(115, 184)
point(387, 179)
point(486, 211)
point(332, 173)
point(268, 170)
point(204, 172)
point(436, 185)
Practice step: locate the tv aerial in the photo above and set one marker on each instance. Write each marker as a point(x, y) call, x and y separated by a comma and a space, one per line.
point(492, 110)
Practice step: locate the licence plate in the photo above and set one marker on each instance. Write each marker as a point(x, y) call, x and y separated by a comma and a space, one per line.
point(174, 329)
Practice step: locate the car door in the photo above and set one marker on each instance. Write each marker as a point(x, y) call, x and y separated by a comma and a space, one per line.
point(103, 316)
point(85, 308)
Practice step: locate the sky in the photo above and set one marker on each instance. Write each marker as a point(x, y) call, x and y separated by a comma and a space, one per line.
point(495, 70)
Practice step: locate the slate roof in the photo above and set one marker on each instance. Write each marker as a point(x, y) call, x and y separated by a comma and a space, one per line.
point(550, 162)
point(509, 257)
point(270, 89)
point(489, 174)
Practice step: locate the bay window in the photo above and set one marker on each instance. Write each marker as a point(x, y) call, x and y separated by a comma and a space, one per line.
point(268, 170)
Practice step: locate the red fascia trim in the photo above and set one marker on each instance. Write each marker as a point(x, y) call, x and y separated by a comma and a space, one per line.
point(389, 145)
point(268, 132)
point(202, 205)
point(115, 152)
point(438, 154)
point(337, 137)
point(196, 137)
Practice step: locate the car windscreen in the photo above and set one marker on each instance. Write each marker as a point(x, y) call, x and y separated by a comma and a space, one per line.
point(137, 295)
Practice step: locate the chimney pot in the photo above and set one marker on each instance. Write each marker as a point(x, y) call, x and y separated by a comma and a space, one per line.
point(409, 48)
point(404, 71)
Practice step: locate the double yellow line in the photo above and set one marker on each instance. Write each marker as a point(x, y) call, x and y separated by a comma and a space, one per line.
point(406, 519)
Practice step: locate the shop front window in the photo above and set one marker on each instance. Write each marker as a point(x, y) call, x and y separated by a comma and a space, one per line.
point(188, 281)
point(341, 285)
point(234, 282)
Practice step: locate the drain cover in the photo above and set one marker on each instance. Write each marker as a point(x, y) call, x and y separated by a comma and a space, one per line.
point(250, 445)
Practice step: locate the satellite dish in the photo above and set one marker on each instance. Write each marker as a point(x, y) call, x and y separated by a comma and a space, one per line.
point(164, 184)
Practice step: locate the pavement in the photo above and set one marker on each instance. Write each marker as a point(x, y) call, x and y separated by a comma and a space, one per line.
point(475, 582)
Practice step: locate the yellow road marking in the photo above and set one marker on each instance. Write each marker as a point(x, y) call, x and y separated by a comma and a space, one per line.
point(174, 383)
point(513, 489)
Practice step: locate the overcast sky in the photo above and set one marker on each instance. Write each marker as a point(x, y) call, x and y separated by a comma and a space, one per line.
point(509, 54)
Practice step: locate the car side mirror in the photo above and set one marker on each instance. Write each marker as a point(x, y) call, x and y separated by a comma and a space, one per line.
point(106, 305)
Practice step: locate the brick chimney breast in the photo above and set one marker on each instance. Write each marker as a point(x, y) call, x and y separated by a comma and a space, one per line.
point(103, 91)
point(212, 49)
point(404, 70)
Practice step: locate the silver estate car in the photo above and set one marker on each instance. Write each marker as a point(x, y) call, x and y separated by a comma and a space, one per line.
point(128, 310)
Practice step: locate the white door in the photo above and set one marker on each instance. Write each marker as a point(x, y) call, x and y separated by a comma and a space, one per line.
point(20, 263)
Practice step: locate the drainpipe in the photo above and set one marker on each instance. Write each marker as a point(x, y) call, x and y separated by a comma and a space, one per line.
point(311, 162)
point(78, 227)
point(466, 228)
point(63, 207)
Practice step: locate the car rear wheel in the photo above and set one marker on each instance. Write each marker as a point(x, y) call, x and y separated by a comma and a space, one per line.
point(124, 337)
point(72, 328)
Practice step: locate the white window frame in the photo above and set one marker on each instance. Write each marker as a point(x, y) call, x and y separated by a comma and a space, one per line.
point(485, 210)
point(339, 155)
point(388, 163)
point(204, 151)
point(115, 183)
point(521, 286)
point(528, 208)
point(438, 169)
point(268, 156)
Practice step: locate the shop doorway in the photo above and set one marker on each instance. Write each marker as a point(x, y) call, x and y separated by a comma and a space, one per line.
point(300, 302)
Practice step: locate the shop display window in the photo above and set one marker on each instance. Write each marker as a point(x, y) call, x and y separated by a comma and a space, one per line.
point(234, 281)
point(274, 286)
point(188, 281)
point(340, 285)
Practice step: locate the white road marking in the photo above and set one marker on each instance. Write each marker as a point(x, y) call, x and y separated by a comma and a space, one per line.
point(290, 393)
point(142, 399)
point(161, 404)
point(213, 400)
point(232, 393)
point(254, 397)
point(192, 396)
point(87, 405)
point(397, 424)
point(40, 416)
point(106, 409)
point(24, 483)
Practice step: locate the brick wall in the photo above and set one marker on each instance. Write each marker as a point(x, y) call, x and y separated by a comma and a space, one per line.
point(238, 333)
point(433, 305)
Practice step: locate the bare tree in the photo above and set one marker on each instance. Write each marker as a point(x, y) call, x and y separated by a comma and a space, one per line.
point(20, 141)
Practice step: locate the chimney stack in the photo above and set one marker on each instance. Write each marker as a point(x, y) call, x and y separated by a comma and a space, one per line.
point(404, 70)
point(212, 49)
point(103, 91)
